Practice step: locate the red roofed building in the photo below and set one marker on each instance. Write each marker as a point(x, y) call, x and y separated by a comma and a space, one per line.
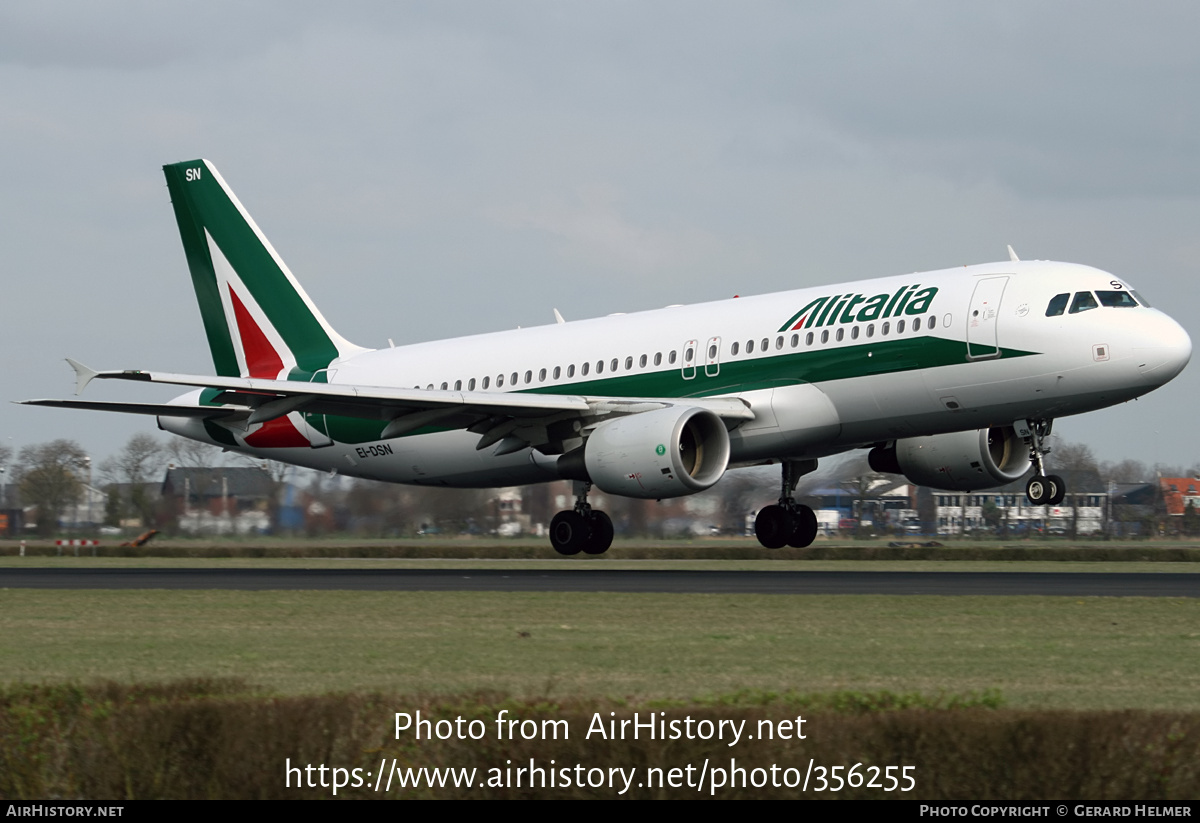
point(1177, 492)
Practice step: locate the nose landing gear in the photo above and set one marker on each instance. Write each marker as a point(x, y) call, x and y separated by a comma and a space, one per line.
point(1042, 489)
point(788, 523)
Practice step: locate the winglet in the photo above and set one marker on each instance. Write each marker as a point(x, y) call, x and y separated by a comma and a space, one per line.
point(1012, 255)
point(558, 318)
point(83, 375)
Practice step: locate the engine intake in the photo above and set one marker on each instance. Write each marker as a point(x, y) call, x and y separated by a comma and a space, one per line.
point(961, 461)
point(668, 452)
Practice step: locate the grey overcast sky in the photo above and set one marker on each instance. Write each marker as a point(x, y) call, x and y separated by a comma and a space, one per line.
point(432, 169)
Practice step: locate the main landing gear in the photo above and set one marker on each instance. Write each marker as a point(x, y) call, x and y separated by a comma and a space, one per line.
point(581, 529)
point(1042, 489)
point(788, 523)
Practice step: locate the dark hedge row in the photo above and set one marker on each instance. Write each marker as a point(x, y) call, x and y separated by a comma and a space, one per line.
point(218, 739)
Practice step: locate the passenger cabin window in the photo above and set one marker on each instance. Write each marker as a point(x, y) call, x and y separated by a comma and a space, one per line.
point(1058, 304)
point(583, 370)
point(733, 350)
point(1083, 302)
point(571, 370)
point(672, 357)
point(486, 380)
point(658, 358)
point(471, 384)
point(1117, 299)
point(749, 347)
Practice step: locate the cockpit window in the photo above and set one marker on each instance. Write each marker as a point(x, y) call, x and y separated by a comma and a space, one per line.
point(1117, 299)
point(1141, 299)
point(1083, 301)
point(1058, 304)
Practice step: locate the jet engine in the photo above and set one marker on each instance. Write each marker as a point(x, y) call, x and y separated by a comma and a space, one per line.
point(667, 452)
point(962, 461)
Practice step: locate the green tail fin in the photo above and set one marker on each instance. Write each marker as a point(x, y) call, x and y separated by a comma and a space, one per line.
point(259, 321)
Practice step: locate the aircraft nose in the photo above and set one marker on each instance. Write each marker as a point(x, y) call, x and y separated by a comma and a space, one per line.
point(1165, 353)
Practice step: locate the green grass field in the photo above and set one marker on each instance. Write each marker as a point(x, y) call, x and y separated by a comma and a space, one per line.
point(1038, 651)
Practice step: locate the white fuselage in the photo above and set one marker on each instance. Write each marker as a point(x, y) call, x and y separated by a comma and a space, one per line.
point(990, 356)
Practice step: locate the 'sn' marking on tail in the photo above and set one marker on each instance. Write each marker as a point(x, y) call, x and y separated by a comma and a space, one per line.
point(258, 319)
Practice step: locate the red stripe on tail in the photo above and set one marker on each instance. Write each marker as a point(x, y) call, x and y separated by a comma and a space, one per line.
point(261, 358)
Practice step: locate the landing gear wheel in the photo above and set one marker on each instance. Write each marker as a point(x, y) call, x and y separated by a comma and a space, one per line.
point(804, 528)
point(1058, 489)
point(1040, 489)
point(569, 532)
point(601, 537)
point(773, 527)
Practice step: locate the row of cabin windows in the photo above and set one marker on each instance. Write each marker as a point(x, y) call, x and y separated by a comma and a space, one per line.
point(558, 372)
point(689, 355)
point(855, 332)
point(1086, 300)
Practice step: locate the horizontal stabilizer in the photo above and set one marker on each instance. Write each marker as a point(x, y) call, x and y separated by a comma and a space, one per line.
point(83, 375)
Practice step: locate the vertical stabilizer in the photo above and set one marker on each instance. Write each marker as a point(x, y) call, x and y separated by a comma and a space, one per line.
point(259, 321)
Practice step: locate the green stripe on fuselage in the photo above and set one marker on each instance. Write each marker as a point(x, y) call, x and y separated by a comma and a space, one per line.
point(742, 375)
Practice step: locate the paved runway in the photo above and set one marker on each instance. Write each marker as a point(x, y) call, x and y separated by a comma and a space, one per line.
point(1086, 584)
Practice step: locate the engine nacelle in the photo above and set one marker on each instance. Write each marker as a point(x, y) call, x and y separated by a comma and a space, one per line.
point(668, 452)
point(962, 461)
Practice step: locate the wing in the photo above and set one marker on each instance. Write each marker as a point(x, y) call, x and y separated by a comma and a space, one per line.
point(544, 421)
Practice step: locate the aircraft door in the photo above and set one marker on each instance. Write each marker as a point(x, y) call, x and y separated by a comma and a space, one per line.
point(688, 364)
point(712, 357)
point(982, 317)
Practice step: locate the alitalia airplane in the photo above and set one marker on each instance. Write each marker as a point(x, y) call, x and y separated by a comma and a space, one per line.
point(951, 378)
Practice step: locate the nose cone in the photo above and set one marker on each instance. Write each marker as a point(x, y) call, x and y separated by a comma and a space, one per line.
point(1164, 352)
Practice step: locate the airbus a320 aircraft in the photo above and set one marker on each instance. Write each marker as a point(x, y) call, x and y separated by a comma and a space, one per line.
point(951, 378)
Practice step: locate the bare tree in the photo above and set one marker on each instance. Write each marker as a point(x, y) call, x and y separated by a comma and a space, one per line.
point(1073, 457)
point(49, 479)
point(192, 454)
point(6, 454)
point(136, 465)
point(1124, 471)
